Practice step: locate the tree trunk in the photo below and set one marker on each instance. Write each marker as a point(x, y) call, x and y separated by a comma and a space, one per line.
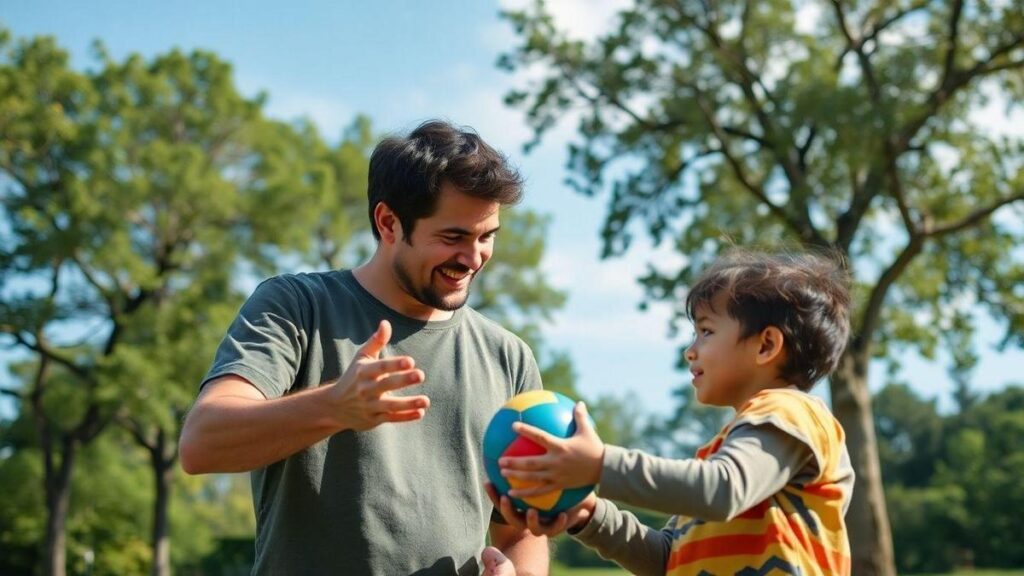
point(867, 518)
point(163, 473)
point(58, 498)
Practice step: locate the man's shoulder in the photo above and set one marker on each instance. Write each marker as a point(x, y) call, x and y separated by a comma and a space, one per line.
point(310, 284)
point(491, 328)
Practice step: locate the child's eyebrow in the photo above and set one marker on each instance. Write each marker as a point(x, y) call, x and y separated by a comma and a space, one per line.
point(701, 319)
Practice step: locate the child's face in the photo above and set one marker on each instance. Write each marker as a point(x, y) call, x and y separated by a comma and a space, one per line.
point(723, 366)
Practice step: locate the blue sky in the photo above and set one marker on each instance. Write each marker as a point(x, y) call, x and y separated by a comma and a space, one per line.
point(401, 62)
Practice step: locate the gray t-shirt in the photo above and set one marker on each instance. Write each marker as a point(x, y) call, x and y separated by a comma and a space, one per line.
point(402, 498)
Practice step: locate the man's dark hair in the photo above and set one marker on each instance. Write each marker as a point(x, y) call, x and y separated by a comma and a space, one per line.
point(806, 296)
point(406, 173)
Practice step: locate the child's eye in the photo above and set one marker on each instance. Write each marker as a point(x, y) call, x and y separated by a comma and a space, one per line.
point(706, 332)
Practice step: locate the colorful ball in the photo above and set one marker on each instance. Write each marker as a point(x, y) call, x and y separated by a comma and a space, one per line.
point(543, 409)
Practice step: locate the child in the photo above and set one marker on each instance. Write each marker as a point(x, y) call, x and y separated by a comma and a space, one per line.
point(768, 493)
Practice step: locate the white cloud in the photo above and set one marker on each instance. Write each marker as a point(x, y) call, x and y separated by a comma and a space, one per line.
point(580, 19)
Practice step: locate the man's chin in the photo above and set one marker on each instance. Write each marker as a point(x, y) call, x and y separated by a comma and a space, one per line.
point(453, 303)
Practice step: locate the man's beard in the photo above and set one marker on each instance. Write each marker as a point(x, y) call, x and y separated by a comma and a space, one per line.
point(427, 295)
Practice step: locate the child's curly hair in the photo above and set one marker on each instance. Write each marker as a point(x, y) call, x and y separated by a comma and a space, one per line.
point(806, 296)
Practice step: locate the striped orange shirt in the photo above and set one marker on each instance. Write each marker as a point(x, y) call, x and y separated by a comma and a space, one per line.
point(800, 529)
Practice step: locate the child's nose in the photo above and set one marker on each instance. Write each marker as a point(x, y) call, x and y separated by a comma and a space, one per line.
point(691, 352)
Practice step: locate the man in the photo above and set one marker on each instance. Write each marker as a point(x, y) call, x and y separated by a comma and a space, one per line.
point(358, 399)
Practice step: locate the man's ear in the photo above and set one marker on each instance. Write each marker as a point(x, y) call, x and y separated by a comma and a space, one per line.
point(388, 226)
point(771, 346)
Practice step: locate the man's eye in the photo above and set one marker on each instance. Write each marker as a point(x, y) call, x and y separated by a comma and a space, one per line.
point(450, 239)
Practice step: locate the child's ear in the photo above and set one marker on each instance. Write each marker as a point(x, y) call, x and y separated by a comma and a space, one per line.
point(771, 346)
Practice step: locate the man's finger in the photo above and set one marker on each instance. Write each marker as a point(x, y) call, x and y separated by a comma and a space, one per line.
point(399, 380)
point(374, 369)
point(407, 416)
point(372, 347)
point(496, 563)
point(389, 404)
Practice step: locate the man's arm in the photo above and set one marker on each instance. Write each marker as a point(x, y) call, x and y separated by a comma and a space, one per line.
point(232, 427)
point(528, 553)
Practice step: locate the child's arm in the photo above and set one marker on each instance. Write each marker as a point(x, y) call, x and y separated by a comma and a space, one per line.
point(754, 462)
point(618, 535)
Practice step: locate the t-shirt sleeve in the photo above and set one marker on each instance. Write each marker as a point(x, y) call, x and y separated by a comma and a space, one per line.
point(529, 373)
point(264, 344)
point(619, 536)
point(753, 463)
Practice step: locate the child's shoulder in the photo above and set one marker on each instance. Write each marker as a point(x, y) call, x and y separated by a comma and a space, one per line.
point(790, 410)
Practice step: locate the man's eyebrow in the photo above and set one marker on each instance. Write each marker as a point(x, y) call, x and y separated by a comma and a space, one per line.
point(464, 232)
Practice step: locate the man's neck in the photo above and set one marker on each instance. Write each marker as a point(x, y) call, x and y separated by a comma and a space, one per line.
point(379, 280)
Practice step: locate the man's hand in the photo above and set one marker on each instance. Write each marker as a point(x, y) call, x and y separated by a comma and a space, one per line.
point(568, 463)
point(496, 564)
point(362, 396)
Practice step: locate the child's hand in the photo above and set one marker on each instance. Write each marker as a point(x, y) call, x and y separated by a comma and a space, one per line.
point(569, 463)
point(531, 520)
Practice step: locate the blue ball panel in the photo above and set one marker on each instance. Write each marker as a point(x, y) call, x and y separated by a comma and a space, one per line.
point(571, 498)
point(551, 418)
point(499, 433)
point(494, 475)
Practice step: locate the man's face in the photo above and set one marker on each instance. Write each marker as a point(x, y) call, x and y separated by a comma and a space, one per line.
point(438, 263)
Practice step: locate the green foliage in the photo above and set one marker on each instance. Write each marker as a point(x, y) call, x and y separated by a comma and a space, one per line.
point(953, 481)
point(721, 123)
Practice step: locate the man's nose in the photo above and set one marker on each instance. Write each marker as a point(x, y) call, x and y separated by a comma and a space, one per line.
point(473, 257)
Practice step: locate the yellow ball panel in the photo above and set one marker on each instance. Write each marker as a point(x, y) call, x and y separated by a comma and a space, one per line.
point(530, 399)
point(541, 502)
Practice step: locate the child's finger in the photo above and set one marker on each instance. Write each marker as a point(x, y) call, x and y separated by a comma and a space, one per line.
point(524, 462)
point(526, 475)
point(579, 412)
point(547, 441)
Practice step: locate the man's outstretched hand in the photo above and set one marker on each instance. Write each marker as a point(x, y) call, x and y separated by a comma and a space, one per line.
point(496, 564)
point(362, 397)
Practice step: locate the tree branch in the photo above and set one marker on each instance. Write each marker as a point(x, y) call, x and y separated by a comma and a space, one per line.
point(47, 352)
point(873, 309)
point(755, 189)
point(953, 39)
point(973, 218)
point(956, 81)
point(856, 46)
point(874, 30)
point(13, 392)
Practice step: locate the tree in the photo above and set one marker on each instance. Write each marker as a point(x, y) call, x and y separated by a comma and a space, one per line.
point(726, 121)
point(125, 205)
